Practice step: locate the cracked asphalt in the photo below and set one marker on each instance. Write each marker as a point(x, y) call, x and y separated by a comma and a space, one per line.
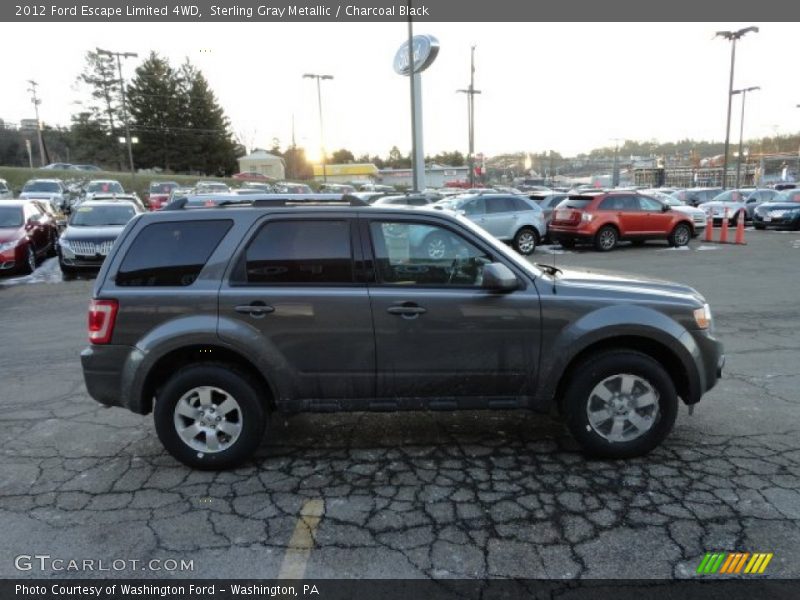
point(478, 494)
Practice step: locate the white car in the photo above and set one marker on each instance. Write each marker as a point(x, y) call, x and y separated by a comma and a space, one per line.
point(52, 190)
point(698, 216)
point(731, 202)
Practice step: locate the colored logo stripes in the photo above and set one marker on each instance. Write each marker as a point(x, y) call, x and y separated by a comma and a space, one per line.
point(732, 563)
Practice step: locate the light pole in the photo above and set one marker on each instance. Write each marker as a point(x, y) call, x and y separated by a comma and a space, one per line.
point(731, 36)
point(321, 130)
point(470, 92)
point(36, 102)
point(743, 92)
point(120, 56)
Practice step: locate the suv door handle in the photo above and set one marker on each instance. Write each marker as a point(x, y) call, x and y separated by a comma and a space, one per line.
point(256, 309)
point(407, 310)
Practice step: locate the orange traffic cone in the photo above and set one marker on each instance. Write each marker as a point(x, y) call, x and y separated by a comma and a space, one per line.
point(740, 228)
point(710, 228)
point(723, 236)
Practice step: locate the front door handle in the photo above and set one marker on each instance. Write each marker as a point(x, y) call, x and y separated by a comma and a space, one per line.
point(407, 310)
point(256, 309)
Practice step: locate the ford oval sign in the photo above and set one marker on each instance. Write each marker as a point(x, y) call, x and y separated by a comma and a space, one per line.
point(426, 47)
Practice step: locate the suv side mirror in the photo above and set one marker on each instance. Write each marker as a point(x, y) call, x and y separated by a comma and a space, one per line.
point(498, 277)
point(666, 208)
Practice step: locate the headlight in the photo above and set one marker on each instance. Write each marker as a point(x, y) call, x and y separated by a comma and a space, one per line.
point(702, 316)
point(9, 245)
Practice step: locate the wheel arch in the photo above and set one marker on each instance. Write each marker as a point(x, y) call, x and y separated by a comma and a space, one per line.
point(194, 354)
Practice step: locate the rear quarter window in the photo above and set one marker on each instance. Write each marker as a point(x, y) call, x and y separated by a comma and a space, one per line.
point(170, 254)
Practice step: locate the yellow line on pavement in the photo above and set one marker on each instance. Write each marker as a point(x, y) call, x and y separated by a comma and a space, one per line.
point(302, 540)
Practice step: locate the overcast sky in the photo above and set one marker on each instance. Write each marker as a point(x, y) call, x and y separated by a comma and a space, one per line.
point(569, 87)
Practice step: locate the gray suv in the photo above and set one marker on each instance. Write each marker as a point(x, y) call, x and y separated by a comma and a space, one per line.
point(211, 318)
point(508, 217)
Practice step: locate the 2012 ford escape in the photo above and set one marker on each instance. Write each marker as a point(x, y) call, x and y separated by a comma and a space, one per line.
point(212, 318)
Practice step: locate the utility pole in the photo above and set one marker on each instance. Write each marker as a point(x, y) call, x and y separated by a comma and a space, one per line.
point(36, 102)
point(321, 130)
point(120, 56)
point(615, 168)
point(470, 92)
point(743, 92)
point(733, 37)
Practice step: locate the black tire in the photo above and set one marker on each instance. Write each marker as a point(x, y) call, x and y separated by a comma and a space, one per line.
point(680, 235)
point(236, 384)
point(605, 365)
point(435, 247)
point(29, 264)
point(567, 243)
point(66, 271)
point(52, 250)
point(606, 238)
point(523, 239)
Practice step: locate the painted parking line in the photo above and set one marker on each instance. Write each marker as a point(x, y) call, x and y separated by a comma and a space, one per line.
point(302, 540)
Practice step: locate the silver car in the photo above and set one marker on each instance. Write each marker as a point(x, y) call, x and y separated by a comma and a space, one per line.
point(52, 190)
point(5, 191)
point(729, 203)
point(510, 218)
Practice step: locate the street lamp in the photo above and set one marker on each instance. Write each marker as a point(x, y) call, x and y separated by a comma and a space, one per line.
point(471, 91)
point(731, 36)
point(120, 56)
point(743, 92)
point(321, 131)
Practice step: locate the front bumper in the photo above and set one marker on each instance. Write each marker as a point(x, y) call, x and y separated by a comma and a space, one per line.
point(782, 222)
point(709, 356)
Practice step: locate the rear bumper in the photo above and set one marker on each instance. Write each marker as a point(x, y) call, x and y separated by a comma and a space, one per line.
point(103, 368)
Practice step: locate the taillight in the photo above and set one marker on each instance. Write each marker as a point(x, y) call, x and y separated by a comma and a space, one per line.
point(102, 314)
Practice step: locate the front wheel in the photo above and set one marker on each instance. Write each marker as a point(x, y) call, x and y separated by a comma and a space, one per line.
point(29, 263)
point(680, 236)
point(210, 416)
point(525, 241)
point(620, 404)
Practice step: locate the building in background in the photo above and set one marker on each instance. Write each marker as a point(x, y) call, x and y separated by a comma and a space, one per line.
point(436, 176)
point(262, 162)
point(347, 173)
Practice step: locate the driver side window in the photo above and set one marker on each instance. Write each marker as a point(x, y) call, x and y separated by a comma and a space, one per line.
point(420, 254)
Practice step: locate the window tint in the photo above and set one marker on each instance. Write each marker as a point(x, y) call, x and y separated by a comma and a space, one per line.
point(611, 203)
point(500, 205)
point(419, 254)
point(474, 207)
point(300, 252)
point(171, 254)
point(649, 204)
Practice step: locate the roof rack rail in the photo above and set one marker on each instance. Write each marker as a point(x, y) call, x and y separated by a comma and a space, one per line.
point(265, 200)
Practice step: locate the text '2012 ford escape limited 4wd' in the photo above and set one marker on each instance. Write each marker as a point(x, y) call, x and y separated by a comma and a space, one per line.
point(212, 318)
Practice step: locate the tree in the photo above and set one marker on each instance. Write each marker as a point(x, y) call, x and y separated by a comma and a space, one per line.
point(101, 77)
point(396, 160)
point(297, 166)
point(342, 156)
point(450, 159)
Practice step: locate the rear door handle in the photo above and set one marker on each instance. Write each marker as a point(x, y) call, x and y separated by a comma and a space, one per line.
point(256, 309)
point(407, 310)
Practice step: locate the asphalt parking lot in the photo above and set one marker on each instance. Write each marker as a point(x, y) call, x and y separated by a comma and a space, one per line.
point(479, 494)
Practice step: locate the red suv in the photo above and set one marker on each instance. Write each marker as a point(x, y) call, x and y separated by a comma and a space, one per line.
point(605, 218)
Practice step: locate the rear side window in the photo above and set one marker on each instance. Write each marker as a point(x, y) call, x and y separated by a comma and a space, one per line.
point(300, 252)
point(171, 254)
point(500, 205)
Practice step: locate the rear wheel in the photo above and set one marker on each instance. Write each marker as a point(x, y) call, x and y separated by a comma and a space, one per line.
point(526, 240)
point(620, 404)
point(606, 238)
point(680, 236)
point(210, 416)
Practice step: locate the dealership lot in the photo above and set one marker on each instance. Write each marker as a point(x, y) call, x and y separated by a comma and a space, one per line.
point(479, 494)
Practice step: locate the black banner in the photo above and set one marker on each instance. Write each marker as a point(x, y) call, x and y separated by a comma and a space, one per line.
point(388, 589)
point(394, 10)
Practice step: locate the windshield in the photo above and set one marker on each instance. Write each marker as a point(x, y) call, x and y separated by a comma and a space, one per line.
point(162, 188)
point(98, 216)
point(729, 196)
point(787, 196)
point(110, 187)
point(41, 186)
point(10, 216)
